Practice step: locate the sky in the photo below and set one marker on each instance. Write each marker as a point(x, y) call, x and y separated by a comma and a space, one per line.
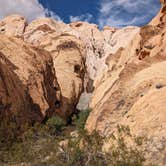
point(115, 13)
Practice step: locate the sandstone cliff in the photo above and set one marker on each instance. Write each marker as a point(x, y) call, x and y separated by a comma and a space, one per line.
point(29, 88)
point(132, 92)
point(119, 73)
point(68, 56)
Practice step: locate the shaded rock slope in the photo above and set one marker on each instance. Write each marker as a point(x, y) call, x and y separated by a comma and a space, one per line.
point(28, 82)
point(48, 67)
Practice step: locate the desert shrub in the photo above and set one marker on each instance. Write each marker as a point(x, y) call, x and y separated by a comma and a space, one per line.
point(123, 130)
point(86, 150)
point(80, 122)
point(55, 124)
point(35, 144)
point(7, 132)
point(40, 145)
point(121, 154)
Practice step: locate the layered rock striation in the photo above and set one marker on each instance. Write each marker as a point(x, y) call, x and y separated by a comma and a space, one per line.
point(119, 73)
point(132, 92)
point(29, 89)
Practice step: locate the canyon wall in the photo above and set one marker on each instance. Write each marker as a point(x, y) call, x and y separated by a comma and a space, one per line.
point(49, 67)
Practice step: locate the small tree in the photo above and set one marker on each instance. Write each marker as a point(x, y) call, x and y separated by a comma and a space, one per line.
point(80, 123)
point(55, 124)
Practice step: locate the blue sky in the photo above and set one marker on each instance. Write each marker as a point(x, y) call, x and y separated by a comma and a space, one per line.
point(105, 12)
point(76, 8)
point(117, 13)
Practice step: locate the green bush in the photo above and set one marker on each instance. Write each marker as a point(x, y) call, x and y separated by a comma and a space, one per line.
point(80, 123)
point(40, 146)
point(55, 124)
point(46, 151)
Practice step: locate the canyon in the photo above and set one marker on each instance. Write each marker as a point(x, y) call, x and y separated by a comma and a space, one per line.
point(51, 68)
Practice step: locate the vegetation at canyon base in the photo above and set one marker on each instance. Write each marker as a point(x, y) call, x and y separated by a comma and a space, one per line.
point(51, 144)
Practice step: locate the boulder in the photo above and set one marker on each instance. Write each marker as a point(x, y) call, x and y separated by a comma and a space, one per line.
point(31, 87)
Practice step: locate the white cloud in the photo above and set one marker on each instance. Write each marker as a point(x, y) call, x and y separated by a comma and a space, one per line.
point(49, 13)
point(126, 12)
point(84, 17)
point(30, 9)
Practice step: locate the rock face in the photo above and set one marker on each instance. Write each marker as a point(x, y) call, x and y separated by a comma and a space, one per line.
point(43, 27)
point(132, 92)
point(13, 97)
point(68, 57)
point(93, 47)
point(162, 1)
point(99, 45)
point(67, 52)
point(28, 83)
point(13, 25)
point(121, 72)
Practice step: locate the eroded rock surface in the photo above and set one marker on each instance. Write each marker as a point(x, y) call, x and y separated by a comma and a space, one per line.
point(41, 28)
point(13, 97)
point(122, 69)
point(68, 56)
point(132, 92)
point(13, 25)
point(94, 47)
point(28, 83)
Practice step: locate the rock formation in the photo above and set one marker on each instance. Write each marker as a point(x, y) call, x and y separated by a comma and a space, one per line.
point(13, 96)
point(68, 55)
point(121, 73)
point(67, 52)
point(132, 92)
point(28, 83)
point(13, 25)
